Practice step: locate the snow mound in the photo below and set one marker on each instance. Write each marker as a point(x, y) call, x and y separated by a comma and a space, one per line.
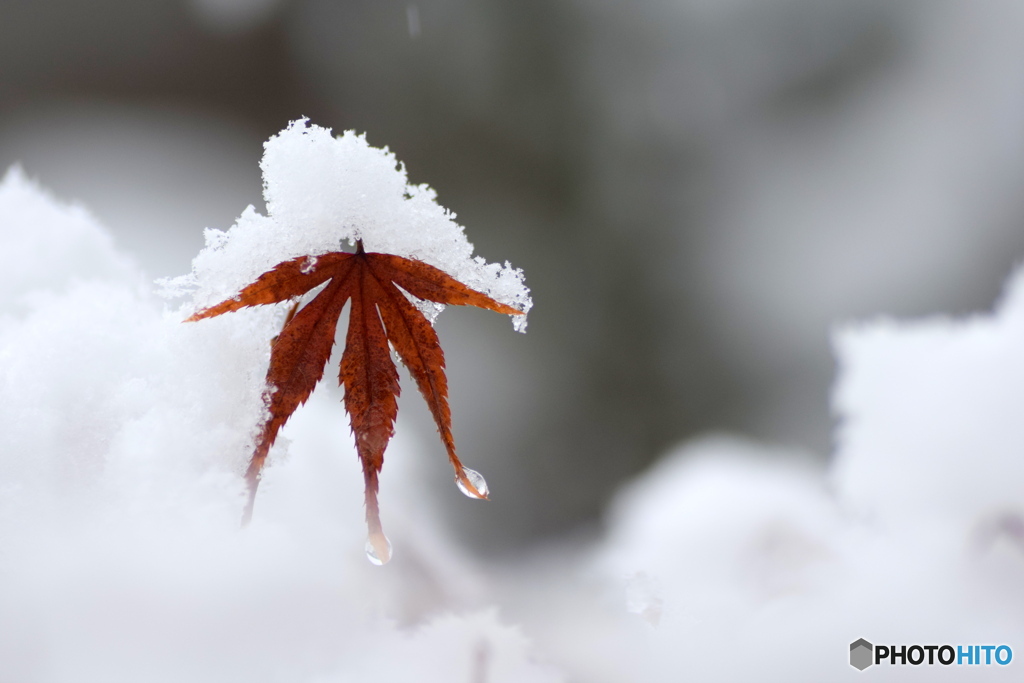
point(931, 428)
point(47, 245)
point(123, 433)
point(734, 561)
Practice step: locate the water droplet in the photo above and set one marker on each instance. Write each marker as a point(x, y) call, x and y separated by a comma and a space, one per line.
point(378, 549)
point(478, 482)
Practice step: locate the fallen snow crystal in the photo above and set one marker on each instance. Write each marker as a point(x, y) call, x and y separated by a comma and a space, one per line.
point(323, 191)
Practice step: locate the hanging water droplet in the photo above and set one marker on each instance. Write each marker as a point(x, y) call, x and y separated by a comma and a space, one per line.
point(378, 549)
point(478, 482)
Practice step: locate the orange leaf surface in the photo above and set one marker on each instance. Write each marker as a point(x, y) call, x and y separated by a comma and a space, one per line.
point(379, 313)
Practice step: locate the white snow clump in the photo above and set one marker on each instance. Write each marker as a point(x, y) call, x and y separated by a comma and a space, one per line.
point(324, 192)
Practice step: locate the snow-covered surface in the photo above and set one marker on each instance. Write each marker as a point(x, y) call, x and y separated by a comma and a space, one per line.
point(77, 247)
point(733, 561)
point(122, 435)
point(323, 193)
point(749, 563)
point(123, 432)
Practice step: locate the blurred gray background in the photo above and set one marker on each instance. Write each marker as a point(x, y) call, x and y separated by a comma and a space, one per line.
point(698, 190)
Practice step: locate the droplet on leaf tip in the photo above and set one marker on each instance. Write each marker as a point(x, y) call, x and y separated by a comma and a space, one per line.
point(476, 480)
point(378, 549)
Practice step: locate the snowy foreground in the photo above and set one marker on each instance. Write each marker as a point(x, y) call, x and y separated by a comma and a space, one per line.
point(123, 433)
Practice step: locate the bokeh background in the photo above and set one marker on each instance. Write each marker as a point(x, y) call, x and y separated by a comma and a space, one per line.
point(697, 190)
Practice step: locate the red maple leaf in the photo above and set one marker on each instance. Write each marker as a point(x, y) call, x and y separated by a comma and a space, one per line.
point(379, 313)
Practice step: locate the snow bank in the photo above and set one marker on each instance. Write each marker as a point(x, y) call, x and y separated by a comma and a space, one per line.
point(742, 563)
point(323, 192)
point(122, 436)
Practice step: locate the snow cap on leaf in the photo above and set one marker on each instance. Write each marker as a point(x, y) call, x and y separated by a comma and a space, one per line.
point(323, 191)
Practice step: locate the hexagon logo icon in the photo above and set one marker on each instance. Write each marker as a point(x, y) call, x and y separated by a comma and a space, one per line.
point(861, 652)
